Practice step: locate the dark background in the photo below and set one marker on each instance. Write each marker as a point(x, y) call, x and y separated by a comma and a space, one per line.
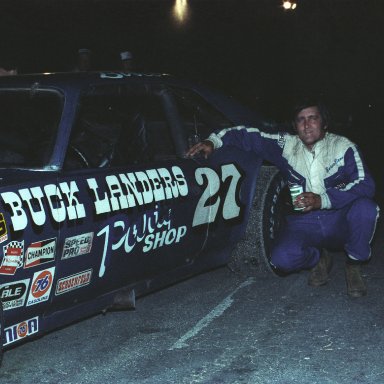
point(254, 50)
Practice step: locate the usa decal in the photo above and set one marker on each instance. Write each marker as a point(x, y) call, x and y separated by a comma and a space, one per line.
point(41, 286)
point(72, 282)
point(3, 229)
point(77, 245)
point(13, 257)
point(13, 295)
point(21, 330)
point(40, 252)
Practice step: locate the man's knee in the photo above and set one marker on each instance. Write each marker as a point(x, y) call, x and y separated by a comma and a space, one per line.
point(281, 260)
point(364, 208)
point(294, 258)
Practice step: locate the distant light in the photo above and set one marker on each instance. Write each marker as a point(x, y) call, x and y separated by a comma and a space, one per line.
point(289, 5)
point(180, 10)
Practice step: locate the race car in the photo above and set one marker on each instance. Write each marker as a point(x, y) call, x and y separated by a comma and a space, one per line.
point(99, 203)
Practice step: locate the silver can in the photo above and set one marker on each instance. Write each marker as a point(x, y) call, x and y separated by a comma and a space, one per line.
point(296, 190)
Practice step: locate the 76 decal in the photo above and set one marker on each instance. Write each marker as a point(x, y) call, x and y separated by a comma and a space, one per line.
point(41, 286)
point(210, 201)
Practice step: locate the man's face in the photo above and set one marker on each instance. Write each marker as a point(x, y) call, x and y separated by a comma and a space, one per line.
point(309, 126)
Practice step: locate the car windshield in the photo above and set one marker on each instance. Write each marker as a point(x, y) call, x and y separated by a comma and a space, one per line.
point(29, 122)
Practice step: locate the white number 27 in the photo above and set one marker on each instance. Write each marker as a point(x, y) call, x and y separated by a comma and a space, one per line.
point(206, 211)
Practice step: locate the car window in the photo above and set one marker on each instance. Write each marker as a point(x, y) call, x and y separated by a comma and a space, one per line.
point(199, 118)
point(29, 122)
point(119, 126)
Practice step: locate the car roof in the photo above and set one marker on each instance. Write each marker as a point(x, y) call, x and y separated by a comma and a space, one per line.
point(75, 81)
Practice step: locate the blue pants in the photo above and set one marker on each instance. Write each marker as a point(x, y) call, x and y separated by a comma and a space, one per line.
point(299, 242)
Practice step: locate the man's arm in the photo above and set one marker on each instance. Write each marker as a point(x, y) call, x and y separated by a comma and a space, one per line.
point(359, 181)
point(267, 145)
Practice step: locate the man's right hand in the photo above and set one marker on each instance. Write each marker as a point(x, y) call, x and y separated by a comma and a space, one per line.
point(205, 147)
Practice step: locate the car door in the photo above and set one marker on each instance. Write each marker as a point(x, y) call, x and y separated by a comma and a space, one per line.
point(220, 177)
point(132, 198)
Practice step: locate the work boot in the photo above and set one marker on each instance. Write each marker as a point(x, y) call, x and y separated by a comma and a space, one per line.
point(355, 283)
point(319, 274)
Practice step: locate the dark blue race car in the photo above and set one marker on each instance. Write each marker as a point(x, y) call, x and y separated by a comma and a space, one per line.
point(98, 203)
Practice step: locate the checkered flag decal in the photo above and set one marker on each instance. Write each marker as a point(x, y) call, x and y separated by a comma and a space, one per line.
point(15, 248)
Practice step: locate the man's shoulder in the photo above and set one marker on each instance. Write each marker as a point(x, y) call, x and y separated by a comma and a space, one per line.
point(290, 139)
point(339, 140)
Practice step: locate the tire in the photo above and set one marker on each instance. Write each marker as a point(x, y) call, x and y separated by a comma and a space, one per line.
point(253, 252)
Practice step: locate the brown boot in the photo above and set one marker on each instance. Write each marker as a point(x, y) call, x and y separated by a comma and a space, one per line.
point(355, 283)
point(319, 274)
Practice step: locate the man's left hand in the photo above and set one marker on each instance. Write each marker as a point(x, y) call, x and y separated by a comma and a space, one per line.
point(309, 201)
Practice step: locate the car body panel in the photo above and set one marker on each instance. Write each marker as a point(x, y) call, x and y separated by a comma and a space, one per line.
point(73, 236)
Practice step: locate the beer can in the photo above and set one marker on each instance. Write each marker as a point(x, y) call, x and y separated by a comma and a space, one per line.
point(296, 190)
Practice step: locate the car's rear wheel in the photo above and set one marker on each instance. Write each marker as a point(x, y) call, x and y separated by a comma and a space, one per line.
point(254, 250)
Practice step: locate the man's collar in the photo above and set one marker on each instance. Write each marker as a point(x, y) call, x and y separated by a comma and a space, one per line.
point(317, 146)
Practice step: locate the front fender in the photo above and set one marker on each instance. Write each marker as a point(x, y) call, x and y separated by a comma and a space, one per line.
point(249, 164)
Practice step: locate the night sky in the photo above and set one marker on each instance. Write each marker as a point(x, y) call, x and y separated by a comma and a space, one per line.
point(252, 49)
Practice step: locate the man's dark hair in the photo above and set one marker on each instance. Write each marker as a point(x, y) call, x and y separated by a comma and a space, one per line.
point(308, 102)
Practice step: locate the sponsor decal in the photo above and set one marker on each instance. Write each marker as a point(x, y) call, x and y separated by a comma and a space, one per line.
point(13, 257)
point(72, 282)
point(61, 203)
point(120, 75)
point(335, 162)
point(40, 252)
point(41, 286)
point(13, 294)
point(77, 245)
point(281, 140)
point(21, 330)
point(3, 229)
point(150, 232)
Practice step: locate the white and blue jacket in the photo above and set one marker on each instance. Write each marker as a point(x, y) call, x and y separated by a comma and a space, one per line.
point(333, 168)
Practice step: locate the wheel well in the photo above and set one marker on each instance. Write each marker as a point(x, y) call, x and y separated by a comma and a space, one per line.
point(264, 220)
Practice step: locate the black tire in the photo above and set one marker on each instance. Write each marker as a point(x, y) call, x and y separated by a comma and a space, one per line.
point(253, 252)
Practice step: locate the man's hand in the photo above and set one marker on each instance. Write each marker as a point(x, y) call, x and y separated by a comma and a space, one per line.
point(205, 147)
point(309, 200)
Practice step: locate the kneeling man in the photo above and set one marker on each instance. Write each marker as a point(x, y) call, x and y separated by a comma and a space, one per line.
point(336, 209)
